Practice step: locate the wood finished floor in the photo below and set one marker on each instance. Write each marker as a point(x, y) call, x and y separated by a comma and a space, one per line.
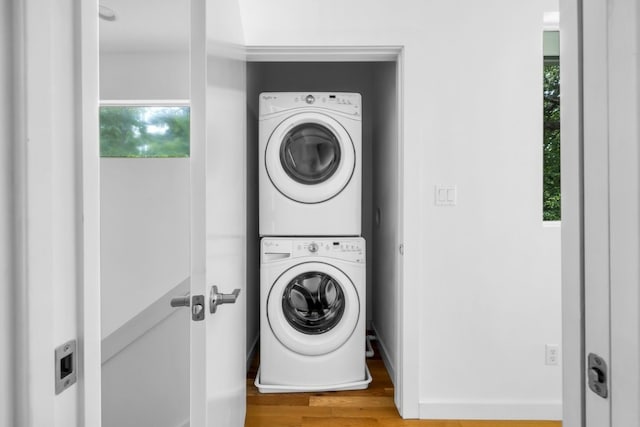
point(372, 407)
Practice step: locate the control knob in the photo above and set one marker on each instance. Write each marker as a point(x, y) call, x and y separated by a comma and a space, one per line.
point(313, 247)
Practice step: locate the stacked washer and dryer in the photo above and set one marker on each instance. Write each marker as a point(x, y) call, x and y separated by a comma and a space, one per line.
point(312, 258)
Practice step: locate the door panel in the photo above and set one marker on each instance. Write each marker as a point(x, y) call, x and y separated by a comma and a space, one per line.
point(612, 207)
point(218, 202)
point(624, 201)
point(596, 200)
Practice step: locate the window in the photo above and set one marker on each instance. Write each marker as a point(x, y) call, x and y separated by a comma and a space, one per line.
point(551, 134)
point(144, 130)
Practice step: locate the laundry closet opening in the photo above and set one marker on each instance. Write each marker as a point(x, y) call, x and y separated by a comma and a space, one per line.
point(377, 83)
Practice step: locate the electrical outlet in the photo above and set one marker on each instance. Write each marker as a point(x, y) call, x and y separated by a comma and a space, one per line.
point(552, 354)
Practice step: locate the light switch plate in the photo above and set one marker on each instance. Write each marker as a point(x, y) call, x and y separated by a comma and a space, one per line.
point(446, 195)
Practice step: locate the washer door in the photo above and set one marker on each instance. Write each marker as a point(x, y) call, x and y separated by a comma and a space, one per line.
point(313, 308)
point(310, 157)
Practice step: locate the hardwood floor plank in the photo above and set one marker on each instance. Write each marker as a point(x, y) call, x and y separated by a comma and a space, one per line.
point(297, 399)
point(300, 411)
point(339, 422)
point(490, 423)
point(377, 413)
point(373, 392)
point(399, 422)
point(280, 421)
point(348, 401)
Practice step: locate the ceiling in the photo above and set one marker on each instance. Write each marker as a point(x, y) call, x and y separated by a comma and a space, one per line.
point(145, 25)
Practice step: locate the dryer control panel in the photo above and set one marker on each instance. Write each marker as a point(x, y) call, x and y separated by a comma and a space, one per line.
point(346, 249)
point(346, 103)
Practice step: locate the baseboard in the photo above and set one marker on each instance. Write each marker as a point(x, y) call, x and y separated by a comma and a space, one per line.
point(251, 351)
point(491, 410)
point(386, 356)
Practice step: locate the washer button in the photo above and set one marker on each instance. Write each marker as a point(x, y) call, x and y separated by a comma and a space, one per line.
point(310, 99)
point(313, 247)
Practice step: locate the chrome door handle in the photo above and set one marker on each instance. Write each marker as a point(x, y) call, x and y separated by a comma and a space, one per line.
point(217, 299)
point(184, 301)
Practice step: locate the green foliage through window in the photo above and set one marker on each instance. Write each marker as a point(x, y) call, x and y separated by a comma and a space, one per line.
point(144, 131)
point(551, 140)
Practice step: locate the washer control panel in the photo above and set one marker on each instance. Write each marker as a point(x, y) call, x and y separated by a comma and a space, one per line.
point(347, 103)
point(348, 249)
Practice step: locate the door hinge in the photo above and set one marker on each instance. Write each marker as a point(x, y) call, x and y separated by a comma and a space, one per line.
point(597, 373)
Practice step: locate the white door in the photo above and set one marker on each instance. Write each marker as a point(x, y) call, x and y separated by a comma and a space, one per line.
point(218, 213)
point(596, 211)
point(624, 201)
point(611, 212)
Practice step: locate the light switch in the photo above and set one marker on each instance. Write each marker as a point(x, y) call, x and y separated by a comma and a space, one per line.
point(445, 195)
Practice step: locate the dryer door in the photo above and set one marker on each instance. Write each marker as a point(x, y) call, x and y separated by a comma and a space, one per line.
point(313, 308)
point(310, 157)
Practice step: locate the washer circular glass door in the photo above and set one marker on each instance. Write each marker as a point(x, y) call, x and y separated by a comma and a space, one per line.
point(310, 157)
point(313, 308)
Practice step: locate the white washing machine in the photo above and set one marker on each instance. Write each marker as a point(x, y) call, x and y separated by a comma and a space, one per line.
point(312, 308)
point(310, 176)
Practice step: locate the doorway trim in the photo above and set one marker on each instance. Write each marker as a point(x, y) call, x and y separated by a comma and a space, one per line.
point(406, 382)
point(36, 300)
point(573, 366)
point(323, 53)
point(88, 161)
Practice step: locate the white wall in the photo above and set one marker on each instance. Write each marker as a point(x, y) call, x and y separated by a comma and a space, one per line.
point(144, 234)
point(144, 75)
point(7, 206)
point(385, 212)
point(482, 278)
point(254, 82)
point(145, 241)
point(148, 383)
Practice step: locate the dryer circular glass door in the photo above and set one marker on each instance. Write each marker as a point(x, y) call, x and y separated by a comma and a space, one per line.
point(310, 157)
point(313, 308)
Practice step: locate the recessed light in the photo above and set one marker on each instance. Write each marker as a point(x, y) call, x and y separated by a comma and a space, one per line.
point(106, 13)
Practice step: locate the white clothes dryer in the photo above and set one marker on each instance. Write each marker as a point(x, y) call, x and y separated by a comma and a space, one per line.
point(310, 177)
point(312, 308)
